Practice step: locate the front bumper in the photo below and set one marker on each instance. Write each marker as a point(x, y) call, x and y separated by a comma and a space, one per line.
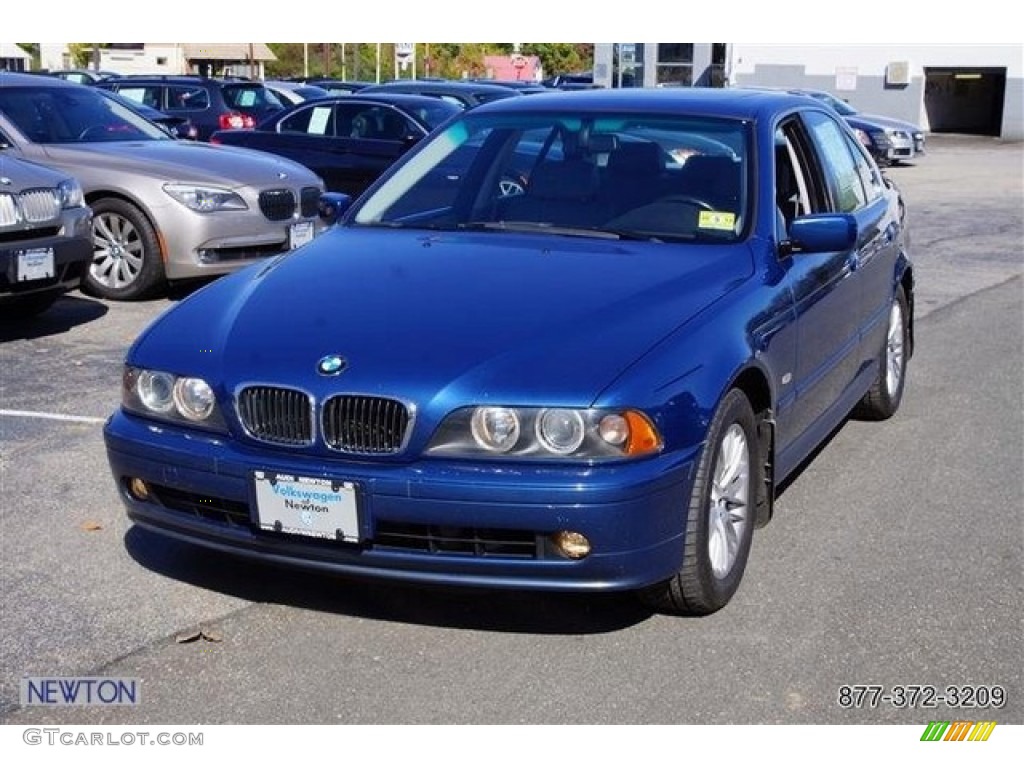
point(72, 252)
point(449, 523)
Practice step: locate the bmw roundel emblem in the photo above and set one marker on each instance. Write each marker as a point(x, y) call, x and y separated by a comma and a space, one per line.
point(331, 365)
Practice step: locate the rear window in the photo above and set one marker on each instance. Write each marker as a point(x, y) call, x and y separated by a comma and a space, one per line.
point(250, 97)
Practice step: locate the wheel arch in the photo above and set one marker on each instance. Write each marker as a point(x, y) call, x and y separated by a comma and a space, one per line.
point(754, 383)
point(105, 194)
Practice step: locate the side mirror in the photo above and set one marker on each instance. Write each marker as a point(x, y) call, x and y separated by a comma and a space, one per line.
point(822, 232)
point(332, 206)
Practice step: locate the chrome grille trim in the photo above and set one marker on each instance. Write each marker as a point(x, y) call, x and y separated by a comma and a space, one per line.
point(40, 205)
point(8, 210)
point(32, 206)
point(365, 424)
point(276, 414)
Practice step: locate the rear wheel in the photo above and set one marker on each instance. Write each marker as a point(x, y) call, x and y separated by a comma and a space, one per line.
point(886, 393)
point(719, 516)
point(126, 261)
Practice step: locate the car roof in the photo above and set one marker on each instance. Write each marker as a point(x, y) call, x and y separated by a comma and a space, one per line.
point(35, 80)
point(452, 86)
point(723, 102)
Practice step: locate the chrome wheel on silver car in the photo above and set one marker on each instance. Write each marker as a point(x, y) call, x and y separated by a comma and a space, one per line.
point(729, 508)
point(126, 261)
point(117, 251)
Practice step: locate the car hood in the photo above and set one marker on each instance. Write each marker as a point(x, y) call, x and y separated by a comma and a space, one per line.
point(179, 161)
point(444, 320)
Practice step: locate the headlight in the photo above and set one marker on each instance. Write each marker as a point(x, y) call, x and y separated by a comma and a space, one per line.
point(495, 429)
point(70, 193)
point(162, 395)
point(194, 399)
point(560, 430)
point(545, 433)
point(205, 199)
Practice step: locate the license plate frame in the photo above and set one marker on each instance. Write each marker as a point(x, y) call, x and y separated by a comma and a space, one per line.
point(35, 264)
point(300, 233)
point(308, 507)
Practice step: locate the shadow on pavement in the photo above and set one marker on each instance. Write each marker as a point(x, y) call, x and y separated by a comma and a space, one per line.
point(481, 609)
point(69, 311)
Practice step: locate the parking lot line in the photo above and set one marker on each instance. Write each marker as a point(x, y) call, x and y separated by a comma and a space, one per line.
point(52, 416)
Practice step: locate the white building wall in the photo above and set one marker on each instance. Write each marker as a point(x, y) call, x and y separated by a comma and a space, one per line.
point(872, 59)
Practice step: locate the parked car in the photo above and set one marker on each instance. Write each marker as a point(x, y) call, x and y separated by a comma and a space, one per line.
point(80, 76)
point(212, 104)
point(163, 209)
point(45, 236)
point(889, 141)
point(463, 93)
point(349, 140)
point(178, 127)
point(565, 389)
point(336, 87)
point(523, 86)
point(291, 93)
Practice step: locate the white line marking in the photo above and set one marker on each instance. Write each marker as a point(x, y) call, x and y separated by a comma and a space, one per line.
point(53, 416)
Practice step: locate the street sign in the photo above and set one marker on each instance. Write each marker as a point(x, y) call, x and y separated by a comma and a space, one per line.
point(405, 54)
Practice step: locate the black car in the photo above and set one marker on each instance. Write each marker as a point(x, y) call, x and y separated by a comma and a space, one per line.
point(212, 104)
point(339, 87)
point(347, 140)
point(464, 93)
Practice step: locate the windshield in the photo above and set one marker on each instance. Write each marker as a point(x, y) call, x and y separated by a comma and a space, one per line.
point(435, 112)
point(838, 105)
point(74, 115)
point(622, 176)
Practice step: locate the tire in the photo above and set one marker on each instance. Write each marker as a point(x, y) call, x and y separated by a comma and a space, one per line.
point(886, 393)
point(718, 534)
point(126, 262)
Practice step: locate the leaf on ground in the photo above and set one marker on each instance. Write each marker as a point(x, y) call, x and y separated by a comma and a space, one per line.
point(91, 525)
point(211, 635)
point(188, 637)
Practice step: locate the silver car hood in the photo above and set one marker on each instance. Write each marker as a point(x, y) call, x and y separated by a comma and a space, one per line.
point(181, 161)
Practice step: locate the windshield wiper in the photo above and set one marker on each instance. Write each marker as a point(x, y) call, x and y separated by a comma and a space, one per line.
point(553, 229)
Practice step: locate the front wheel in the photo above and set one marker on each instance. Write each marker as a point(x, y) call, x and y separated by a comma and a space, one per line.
point(126, 260)
point(719, 516)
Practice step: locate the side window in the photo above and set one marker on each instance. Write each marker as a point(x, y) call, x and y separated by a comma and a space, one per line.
point(798, 186)
point(345, 119)
point(848, 193)
point(187, 98)
point(147, 95)
point(868, 171)
point(316, 120)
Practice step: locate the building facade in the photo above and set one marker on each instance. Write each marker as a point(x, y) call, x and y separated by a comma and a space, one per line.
point(970, 89)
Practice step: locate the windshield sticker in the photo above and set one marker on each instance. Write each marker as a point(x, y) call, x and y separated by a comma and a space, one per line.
point(723, 220)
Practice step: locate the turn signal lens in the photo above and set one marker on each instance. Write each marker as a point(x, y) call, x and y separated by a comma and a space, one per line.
point(643, 437)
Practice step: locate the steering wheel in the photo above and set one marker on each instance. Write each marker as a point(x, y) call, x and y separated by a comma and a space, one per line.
point(510, 186)
point(94, 131)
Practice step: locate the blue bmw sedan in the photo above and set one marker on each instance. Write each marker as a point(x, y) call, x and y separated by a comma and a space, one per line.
point(594, 378)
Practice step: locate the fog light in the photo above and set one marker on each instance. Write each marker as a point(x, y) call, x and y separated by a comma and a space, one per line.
point(571, 544)
point(138, 489)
